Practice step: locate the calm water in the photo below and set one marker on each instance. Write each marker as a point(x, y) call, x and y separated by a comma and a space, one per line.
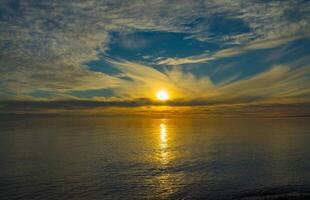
point(152, 158)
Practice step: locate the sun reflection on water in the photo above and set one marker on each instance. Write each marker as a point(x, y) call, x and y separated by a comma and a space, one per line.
point(164, 153)
point(163, 135)
point(168, 182)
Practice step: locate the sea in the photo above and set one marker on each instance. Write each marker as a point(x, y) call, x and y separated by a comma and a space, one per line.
point(137, 157)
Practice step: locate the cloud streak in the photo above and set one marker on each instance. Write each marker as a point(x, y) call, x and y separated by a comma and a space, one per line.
point(229, 52)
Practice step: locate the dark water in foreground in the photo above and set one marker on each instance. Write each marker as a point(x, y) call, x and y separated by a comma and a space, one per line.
point(148, 158)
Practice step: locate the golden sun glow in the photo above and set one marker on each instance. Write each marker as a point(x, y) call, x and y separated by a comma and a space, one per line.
point(162, 95)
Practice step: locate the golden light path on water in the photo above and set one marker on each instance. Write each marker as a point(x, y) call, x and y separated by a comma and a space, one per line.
point(163, 143)
point(167, 180)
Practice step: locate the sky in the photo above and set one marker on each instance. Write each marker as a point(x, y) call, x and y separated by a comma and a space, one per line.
point(212, 56)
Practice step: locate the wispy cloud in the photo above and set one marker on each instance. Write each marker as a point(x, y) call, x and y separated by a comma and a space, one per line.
point(279, 84)
point(229, 52)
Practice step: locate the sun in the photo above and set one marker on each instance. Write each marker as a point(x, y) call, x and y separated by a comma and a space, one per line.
point(162, 95)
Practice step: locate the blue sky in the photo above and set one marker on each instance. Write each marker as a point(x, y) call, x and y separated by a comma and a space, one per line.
point(213, 52)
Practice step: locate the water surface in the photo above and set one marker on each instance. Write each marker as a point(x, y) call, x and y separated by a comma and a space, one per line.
point(52, 157)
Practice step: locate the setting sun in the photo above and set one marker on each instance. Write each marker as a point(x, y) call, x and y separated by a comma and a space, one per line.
point(162, 95)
